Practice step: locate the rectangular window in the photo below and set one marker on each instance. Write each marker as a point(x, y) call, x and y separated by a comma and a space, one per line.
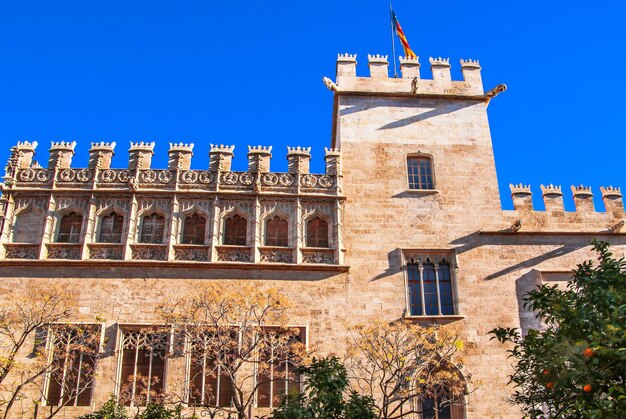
point(143, 364)
point(209, 382)
point(73, 350)
point(429, 283)
point(420, 173)
point(279, 377)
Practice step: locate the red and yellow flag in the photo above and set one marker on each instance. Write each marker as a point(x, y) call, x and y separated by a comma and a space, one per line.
point(408, 52)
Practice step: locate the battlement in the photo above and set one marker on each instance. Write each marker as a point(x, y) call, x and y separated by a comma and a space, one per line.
point(21, 172)
point(410, 82)
point(553, 198)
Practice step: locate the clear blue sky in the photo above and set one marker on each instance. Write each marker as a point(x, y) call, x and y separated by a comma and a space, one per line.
point(243, 72)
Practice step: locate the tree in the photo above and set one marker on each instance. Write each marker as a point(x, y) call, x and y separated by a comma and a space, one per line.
point(239, 336)
point(575, 366)
point(110, 410)
point(401, 364)
point(326, 383)
point(20, 320)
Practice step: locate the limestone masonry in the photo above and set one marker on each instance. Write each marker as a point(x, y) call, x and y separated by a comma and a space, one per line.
point(409, 187)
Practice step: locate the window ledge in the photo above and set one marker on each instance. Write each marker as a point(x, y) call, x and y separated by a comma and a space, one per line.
point(443, 317)
point(423, 191)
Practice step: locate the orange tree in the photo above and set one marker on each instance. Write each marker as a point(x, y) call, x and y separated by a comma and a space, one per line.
point(575, 366)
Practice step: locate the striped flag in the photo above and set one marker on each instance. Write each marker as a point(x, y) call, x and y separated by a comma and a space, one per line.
point(408, 52)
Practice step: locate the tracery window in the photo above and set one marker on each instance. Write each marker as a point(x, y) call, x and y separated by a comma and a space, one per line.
point(194, 229)
point(152, 229)
point(316, 233)
point(209, 383)
point(142, 375)
point(73, 351)
point(276, 232)
point(111, 227)
point(420, 172)
point(28, 226)
point(70, 228)
point(276, 375)
point(235, 231)
point(429, 287)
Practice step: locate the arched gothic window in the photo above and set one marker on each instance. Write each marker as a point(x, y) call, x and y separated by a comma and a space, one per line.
point(152, 229)
point(235, 230)
point(194, 228)
point(28, 226)
point(420, 172)
point(276, 232)
point(70, 228)
point(442, 406)
point(316, 233)
point(111, 227)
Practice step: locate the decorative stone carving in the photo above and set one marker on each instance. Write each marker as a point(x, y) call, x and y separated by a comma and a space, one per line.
point(149, 251)
point(21, 251)
point(276, 255)
point(64, 251)
point(191, 253)
point(146, 339)
point(318, 256)
point(70, 201)
point(233, 254)
point(106, 251)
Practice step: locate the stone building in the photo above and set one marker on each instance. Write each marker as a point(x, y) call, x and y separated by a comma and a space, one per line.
point(405, 222)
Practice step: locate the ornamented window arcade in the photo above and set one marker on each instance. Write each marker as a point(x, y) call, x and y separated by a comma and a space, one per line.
point(429, 286)
point(142, 365)
point(70, 227)
point(152, 229)
point(111, 228)
point(72, 351)
point(235, 231)
point(317, 232)
point(420, 172)
point(194, 229)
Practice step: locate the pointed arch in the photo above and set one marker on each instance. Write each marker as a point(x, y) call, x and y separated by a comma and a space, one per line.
point(276, 228)
point(70, 222)
point(28, 223)
point(152, 227)
point(111, 227)
point(235, 229)
point(317, 231)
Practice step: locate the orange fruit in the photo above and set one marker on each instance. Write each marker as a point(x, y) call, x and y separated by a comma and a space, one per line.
point(546, 372)
point(587, 388)
point(588, 352)
point(550, 385)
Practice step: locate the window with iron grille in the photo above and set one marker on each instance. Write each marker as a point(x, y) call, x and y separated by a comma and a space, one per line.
point(73, 350)
point(276, 232)
point(441, 406)
point(70, 228)
point(235, 231)
point(111, 227)
point(316, 233)
point(279, 377)
point(420, 173)
point(194, 229)
point(143, 364)
point(152, 229)
point(429, 284)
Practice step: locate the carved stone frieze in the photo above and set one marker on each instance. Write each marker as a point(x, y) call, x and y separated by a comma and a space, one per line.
point(188, 204)
point(23, 202)
point(231, 205)
point(318, 256)
point(232, 254)
point(75, 175)
point(276, 255)
point(121, 203)
point(106, 251)
point(192, 253)
point(64, 251)
point(34, 175)
point(115, 176)
point(21, 251)
point(149, 251)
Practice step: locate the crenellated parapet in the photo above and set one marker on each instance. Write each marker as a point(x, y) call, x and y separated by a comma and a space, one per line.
point(61, 154)
point(553, 198)
point(411, 82)
point(140, 175)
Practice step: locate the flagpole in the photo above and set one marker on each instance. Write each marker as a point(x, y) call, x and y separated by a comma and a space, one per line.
point(393, 42)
